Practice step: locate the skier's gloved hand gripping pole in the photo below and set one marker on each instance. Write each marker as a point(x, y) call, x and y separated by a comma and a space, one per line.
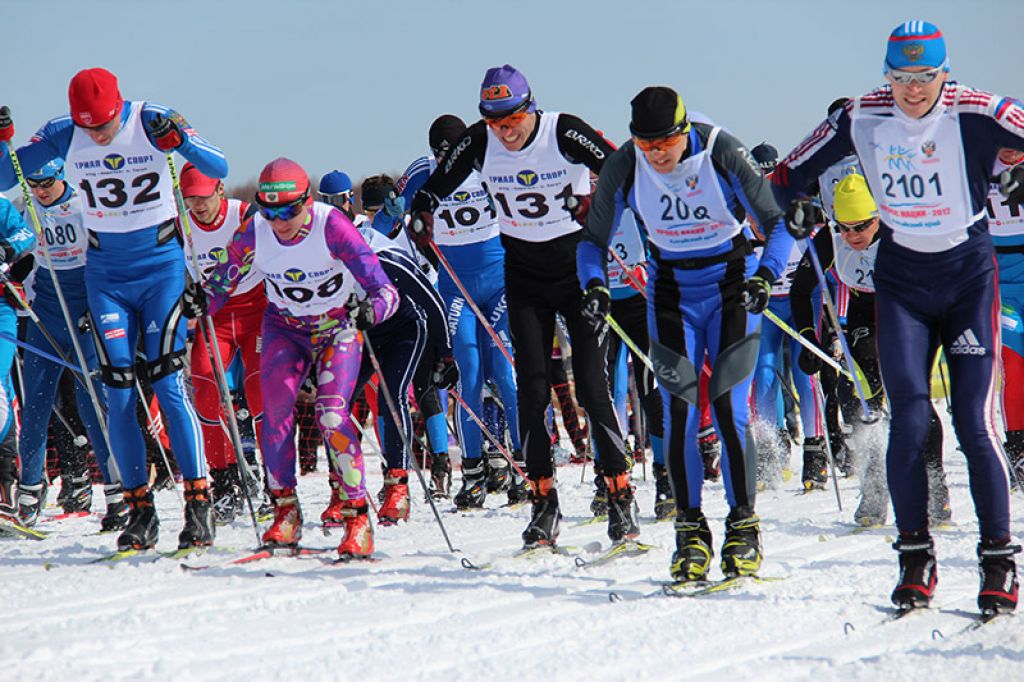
point(210, 334)
point(807, 344)
point(801, 217)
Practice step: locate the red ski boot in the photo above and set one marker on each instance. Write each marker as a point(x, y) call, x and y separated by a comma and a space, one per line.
point(396, 498)
point(286, 530)
point(332, 516)
point(358, 540)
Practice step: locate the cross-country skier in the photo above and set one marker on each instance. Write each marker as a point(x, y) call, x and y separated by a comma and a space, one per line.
point(691, 186)
point(311, 258)
point(535, 165)
point(927, 147)
point(115, 153)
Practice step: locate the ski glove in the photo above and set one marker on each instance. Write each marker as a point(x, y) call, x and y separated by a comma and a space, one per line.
point(801, 218)
point(810, 363)
point(757, 291)
point(596, 304)
point(166, 132)
point(421, 228)
point(6, 125)
point(579, 206)
point(1011, 184)
point(446, 373)
point(362, 315)
point(194, 302)
point(394, 205)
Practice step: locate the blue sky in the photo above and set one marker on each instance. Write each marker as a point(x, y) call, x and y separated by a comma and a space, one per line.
point(355, 85)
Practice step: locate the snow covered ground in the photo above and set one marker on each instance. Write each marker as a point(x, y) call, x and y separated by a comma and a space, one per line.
point(419, 614)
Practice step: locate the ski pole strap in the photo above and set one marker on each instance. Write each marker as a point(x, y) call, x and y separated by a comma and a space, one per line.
point(41, 353)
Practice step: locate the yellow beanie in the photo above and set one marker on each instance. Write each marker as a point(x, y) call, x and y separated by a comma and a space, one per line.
point(853, 202)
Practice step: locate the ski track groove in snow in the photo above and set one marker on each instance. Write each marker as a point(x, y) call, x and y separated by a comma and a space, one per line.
point(417, 614)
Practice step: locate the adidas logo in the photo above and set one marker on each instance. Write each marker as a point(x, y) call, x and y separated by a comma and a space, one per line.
point(152, 328)
point(967, 344)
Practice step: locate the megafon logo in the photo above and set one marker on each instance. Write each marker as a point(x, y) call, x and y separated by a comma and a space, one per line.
point(113, 161)
point(461, 196)
point(294, 274)
point(494, 93)
point(527, 178)
point(218, 254)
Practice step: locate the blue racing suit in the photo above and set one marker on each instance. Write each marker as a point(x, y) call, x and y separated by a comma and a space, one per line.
point(16, 239)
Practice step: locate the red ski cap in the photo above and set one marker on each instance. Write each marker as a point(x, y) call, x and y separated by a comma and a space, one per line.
point(94, 97)
point(195, 184)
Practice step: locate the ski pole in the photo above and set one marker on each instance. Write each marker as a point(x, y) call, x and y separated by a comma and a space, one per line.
point(483, 428)
point(393, 409)
point(77, 371)
point(72, 329)
point(778, 322)
point(637, 284)
point(154, 431)
point(213, 348)
point(820, 400)
point(866, 415)
point(472, 305)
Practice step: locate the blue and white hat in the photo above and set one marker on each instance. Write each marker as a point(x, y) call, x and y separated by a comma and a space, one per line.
point(53, 169)
point(916, 43)
point(335, 182)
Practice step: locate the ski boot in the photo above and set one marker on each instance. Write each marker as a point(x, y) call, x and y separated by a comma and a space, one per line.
point(498, 473)
point(76, 493)
point(998, 592)
point(332, 516)
point(199, 530)
point(8, 484)
point(358, 540)
point(599, 505)
point(474, 485)
point(440, 476)
point(741, 551)
point(711, 455)
point(518, 490)
point(143, 527)
point(841, 455)
point(622, 523)
point(31, 500)
point(918, 571)
point(286, 530)
point(815, 475)
point(664, 501)
point(116, 517)
point(692, 558)
point(395, 507)
point(227, 496)
point(545, 516)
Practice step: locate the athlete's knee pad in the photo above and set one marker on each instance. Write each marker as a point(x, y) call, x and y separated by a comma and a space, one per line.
point(166, 365)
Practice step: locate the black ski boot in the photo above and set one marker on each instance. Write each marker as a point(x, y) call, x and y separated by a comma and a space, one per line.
point(622, 523)
point(599, 505)
point(518, 489)
point(664, 501)
point(31, 500)
point(815, 474)
point(692, 558)
point(76, 493)
point(545, 517)
point(199, 529)
point(474, 485)
point(143, 527)
point(116, 517)
point(710, 453)
point(440, 476)
point(998, 592)
point(227, 495)
point(918, 571)
point(9, 477)
point(741, 551)
point(498, 473)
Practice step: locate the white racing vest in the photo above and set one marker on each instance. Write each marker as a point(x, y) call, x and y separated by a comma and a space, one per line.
point(466, 216)
point(530, 187)
point(125, 186)
point(1004, 220)
point(684, 210)
point(916, 171)
point(828, 180)
point(303, 279)
point(63, 234)
point(855, 269)
point(781, 286)
point(628, 246)
point(211, 246)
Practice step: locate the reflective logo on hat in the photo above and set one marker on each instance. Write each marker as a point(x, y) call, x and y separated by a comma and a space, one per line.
point(86, 117)
point(113, 161)
point(928, 147)
point(494, 93)
point(527, 178)
point(294, 274)
point(913, 51)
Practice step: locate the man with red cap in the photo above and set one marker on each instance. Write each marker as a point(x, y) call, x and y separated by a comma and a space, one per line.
point(214, 219)
point(116, 155)
point(927, 147)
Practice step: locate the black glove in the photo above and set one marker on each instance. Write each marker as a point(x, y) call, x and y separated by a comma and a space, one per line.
point(362, 315)
point(579, 206)
point(446, 373)
point(421, 228)
point(809, 362)
point(801, 218)
point(194, 301)
point(1011, 184)
point(7, 252)
point(757, 291)
point(596, 304)
point(6, 125)
point(166, 132)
